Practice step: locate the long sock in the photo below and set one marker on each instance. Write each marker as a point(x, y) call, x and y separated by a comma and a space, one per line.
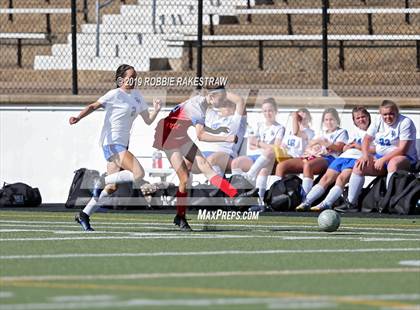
point(223, 185)
point(307, 185)
point(256, 167)
point(93, 204)
point(123, 176)
point(333, 195)
point(217, 169)
point(316, 192)
point(355, 187)
point(261, 184)
point(237, 171)
point(388, 178)
point(181, 203)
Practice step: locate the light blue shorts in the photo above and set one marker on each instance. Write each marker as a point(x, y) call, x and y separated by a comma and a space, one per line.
point(112, 149)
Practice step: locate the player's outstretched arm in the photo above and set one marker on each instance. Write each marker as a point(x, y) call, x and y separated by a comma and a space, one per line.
point(85, 112)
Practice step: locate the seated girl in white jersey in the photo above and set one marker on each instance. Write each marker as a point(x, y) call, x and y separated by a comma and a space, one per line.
point(228, 120)
point(171, 137)
point(122, 106)
point(261, 140)
point(324, 148)
point(339, 170)
point(394, 136)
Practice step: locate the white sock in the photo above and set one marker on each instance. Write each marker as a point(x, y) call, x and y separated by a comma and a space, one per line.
point(217, 169)
point(237, 171)
point(93, 204)
point(307, 185)
point(388, 178)
point(256, 167)
point(333, 195)
point(119, 177)
point(261, 184)
point(355, 186)
point(316, 192)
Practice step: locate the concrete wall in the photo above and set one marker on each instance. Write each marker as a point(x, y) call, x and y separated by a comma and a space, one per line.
point(40, 148)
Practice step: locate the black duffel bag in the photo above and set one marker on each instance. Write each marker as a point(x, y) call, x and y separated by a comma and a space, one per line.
point(19, 195)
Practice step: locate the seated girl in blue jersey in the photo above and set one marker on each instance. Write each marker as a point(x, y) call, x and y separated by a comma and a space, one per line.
point(122, 105)
point(324, 149)
point(261, 140)
point(230, 119)
point(339, 170)
point(394, 136)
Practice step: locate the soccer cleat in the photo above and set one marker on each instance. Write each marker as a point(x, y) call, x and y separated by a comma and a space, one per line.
point(302, 207)
point(98, 186)
point(181, 221)
point(347, 207)
point(321, 207)
point(84, 221)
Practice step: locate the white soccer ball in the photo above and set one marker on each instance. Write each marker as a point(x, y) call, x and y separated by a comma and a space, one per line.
point(328, 221)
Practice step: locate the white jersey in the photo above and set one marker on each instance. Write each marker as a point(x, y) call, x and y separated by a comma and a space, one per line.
point(337, 136)
point(266, 134)
point(387, 138)
point(356, 136)
point(121, 109)
point(296, 145)
point(235, 123)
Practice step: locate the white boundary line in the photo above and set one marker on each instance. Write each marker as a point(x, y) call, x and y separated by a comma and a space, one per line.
point(206, 253)
point(207, 274)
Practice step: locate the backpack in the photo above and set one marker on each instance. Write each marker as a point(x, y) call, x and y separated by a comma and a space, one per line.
point(81, 187)
point(206, 196)
point(248, 191)
point(373, 194)
point(399, 183)
point(19, 195)
point(285, 194)
point(407, 202)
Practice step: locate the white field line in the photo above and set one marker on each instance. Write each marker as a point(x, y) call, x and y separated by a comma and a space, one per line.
point(6, 294)
point(322, 235)
point(270, 303)
point(410, 263)
point(82, 298)
point(207, 274)
point(146, 236)
point(206, 253)
point(125, 224)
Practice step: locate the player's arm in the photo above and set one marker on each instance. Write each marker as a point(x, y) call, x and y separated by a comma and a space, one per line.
point(149, 117)
point(238, 101)
point(85, 112)
point(202, 135)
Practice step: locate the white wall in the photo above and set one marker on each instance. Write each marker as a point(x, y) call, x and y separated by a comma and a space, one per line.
point(40, 148)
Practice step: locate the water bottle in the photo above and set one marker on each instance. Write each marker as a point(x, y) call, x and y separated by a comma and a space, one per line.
point(157, 159)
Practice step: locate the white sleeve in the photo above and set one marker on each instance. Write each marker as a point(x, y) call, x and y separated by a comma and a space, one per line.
point(280, 133)
point(107, 97)
point(373, 128)
point(236, 123)
point(143, 106)
point(343, 137)
point(408, 130)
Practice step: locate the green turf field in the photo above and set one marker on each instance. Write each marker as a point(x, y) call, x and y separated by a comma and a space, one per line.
point(143, 261)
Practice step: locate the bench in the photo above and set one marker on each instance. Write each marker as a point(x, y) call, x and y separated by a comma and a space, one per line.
point(45, 11)
point(342, 11)
point(190, 40)
point(19, 37)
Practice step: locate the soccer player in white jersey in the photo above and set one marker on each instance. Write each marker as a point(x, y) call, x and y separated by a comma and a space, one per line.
point(171, 136)
point(394, 136)
point(339, 170)
point(230, 119)
point(122, 105)
point(324, 149)
point(261, 140)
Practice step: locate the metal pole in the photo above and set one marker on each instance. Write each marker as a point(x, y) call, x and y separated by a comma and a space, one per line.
point(85, 11)
point(325, 47)
point(200, 42)
point(97, 8)
point(74, 47)
point(11, 7)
